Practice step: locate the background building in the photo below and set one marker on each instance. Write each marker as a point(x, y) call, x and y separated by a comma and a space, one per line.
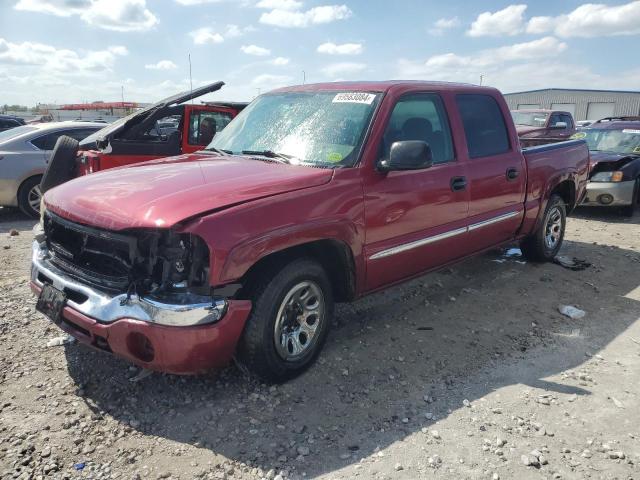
point(583, 104)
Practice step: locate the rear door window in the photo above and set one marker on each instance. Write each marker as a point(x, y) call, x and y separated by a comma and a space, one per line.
point(204, 125)
point(484, 126)
point(420, 117)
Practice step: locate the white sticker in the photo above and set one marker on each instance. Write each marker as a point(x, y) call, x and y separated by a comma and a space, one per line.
point(354, 97)
point(629, 130)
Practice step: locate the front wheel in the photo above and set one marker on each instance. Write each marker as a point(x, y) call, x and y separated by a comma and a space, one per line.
point(543, 245)
point(29, 197)
point(291, 314)
point(635, 200)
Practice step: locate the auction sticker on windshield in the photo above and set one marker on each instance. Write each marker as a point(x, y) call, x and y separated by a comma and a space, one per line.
point(354, 97)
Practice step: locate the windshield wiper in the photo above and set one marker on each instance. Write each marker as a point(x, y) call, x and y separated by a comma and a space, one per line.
point(218, 150)
point(281, 157)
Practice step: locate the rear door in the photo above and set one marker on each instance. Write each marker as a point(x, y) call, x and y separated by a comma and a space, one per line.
point(496, 169)
point(415, 219)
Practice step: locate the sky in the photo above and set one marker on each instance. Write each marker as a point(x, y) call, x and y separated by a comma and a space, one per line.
point(70, 51)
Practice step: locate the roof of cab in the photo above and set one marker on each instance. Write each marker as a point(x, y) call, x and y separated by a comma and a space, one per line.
point(378, 86)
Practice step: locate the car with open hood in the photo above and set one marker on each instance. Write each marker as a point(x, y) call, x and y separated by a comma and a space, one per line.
point(312, 195)
point(167, 128)
point(615, 164)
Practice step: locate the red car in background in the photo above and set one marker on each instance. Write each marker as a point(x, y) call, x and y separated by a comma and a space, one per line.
point(538, 127)
point(164, 129)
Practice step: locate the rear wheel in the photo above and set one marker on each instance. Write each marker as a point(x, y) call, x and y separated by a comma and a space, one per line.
point(629, 209)
point(29, 197)
point(545, 242)
point(62, 165)
point(291, 314)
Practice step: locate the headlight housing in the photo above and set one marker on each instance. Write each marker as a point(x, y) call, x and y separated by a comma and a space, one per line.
point(608, 177)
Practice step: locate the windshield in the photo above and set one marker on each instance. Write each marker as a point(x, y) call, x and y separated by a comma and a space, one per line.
point(317, 128)
point(608, 140)
point(530, 119)
point(15, 132)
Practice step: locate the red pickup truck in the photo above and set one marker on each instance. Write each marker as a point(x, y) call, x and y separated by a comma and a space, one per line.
point(539, 127)
point(313, 195)
point(167, 128)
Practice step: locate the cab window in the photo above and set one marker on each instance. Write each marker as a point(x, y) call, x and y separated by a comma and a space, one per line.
point(204, 125)
point(484, 125)
point(420, 117)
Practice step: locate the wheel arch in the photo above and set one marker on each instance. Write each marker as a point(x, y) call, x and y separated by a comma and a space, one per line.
point(335, 256)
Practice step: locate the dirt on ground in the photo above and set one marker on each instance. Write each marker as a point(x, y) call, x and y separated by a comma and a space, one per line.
point(468, 373)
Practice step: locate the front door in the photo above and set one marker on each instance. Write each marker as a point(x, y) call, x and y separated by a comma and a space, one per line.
point(415, 219)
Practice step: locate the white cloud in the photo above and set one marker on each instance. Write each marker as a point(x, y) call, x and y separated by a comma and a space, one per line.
point(255, 50)
point(52, 59)
point(279, 4)
point(189, 3)
point(591, 20)
point(508, 21)
point(161, 65)
point(302, 19)
point(267, 81)
point(117, 15)
point(442, 24)
point(280, 61)
point(206, 35)
point(343, 49)
point(491, 63)
point(343, 68)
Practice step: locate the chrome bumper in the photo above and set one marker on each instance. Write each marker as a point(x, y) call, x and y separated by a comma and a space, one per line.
point(609, 194)
point(184, 310)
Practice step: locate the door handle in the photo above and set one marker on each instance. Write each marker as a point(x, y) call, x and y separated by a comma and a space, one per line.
point(512, 173)
point(458, 183)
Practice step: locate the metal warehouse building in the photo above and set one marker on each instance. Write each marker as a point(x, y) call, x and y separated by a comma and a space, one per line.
point(583, 104)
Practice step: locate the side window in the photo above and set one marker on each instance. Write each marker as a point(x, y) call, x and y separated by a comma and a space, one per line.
point(567, 119)
point(420, 117)
point(204, 125)
point(555, 118)
point(79, 134)
point(484, 126)
point(46, 142)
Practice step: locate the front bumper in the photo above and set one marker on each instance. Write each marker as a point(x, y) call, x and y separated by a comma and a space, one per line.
point(178, 338)
point(609, 194)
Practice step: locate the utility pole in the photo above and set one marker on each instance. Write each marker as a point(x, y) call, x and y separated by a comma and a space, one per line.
point(304, 77)
point(190, 78)
point(122, 94)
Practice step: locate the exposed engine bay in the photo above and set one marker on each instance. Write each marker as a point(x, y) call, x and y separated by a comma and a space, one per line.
point(143, 262)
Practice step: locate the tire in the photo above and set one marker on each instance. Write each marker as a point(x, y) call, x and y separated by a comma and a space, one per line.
point(29, 196)
point(543, 245)
point(629, 209)
point(62, 165)
point(276, 309)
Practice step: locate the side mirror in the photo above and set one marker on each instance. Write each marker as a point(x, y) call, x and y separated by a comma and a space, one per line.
point(407, 155)
point(559, 125)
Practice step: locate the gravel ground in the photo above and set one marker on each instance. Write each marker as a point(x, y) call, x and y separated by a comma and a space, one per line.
point(467, 373)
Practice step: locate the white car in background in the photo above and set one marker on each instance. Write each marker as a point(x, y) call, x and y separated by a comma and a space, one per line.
point(24, 153)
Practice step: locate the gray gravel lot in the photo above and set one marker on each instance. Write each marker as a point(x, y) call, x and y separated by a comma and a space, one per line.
point(470, 372)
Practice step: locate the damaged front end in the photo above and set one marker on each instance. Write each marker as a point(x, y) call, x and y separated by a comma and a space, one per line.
point(158, 275)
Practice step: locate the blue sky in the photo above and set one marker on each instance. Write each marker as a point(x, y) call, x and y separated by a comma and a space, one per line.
point(76, 50)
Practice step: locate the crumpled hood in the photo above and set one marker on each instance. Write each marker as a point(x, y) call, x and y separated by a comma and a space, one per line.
point(609, 157)
point(163, 192)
